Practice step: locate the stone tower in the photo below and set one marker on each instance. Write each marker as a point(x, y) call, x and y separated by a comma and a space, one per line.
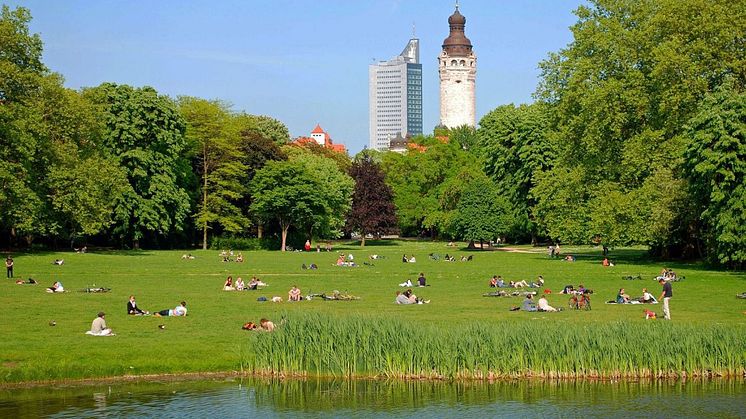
point(457, 67)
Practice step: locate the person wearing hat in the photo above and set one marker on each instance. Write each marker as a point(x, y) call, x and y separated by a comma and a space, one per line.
point(98, 327)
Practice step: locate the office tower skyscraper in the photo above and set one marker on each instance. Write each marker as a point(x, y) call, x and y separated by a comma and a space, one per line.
point(395, 97)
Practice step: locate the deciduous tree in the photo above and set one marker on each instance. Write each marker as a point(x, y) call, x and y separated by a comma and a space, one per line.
point(373, 209)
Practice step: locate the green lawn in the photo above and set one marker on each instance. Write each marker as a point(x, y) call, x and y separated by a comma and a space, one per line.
point(210, 338)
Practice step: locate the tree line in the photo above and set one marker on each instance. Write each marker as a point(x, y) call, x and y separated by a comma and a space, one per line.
point(636, 136)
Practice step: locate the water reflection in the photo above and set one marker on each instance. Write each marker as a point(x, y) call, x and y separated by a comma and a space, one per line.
point(323, 398)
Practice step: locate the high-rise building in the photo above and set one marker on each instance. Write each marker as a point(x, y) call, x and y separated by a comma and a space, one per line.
point(395, 97)
point(457, 67)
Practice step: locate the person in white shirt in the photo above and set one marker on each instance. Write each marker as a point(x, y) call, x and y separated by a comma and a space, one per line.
point(544, 304)
point(56, 287)
point(180, 310)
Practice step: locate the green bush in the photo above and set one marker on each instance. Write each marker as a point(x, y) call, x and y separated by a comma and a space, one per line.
point(245, 243)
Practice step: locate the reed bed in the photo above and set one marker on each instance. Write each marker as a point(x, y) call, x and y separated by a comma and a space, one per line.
point(367, 346)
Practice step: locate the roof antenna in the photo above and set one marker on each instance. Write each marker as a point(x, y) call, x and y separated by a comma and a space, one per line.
point(457, 5)
point(414, 32)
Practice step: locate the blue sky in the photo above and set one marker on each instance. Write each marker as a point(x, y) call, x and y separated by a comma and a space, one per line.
point(300, 61)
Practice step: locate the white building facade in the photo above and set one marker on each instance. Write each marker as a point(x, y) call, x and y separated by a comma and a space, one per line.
point(395, 97)
point(457, 68)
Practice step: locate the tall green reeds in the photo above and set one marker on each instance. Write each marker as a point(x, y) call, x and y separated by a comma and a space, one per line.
point(362, 346)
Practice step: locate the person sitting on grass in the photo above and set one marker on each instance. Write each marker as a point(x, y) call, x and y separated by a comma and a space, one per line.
point(421, 281)
point(56, 287)
point(266, 325)
point(228, 286)
point(253, 283)
point(413, 298)
point(569, 258)
point(493, 281)
point(401, 298)
point(605, 262)
point(544, 305)
point(404, 259)
point(133, 309)
point(621, 297)
point(294, 294)
point(239, 258)
point(179, 311)
point(240, 285)
point(98, 327)
point(647, 298)
point(528, 304)
point(340, 260)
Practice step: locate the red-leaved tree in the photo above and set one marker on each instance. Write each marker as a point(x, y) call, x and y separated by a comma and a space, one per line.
point(373, 210)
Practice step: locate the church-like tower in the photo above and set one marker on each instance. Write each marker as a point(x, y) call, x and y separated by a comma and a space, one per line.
point(457, 66)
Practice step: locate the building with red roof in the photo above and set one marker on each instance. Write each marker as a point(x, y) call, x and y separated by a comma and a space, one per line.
point(322, 138)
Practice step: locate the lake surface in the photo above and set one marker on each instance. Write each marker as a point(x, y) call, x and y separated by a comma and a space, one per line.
point(251, 398)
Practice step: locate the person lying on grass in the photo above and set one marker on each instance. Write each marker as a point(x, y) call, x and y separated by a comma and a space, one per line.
point(133, 309)
point(98, 327)
point(179, 311)
point(56, 287)
point(538, 284)
point(294, 294)
point(544, 305)
point(519, 284)
point(31, 281)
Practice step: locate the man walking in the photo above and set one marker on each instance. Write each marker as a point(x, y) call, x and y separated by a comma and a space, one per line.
point(665, 296)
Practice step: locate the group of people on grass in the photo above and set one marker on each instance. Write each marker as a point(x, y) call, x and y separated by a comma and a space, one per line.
point(623, 298)
point(408, 297)
point(228, 256)
point(497, 282)
point(240, 285)
point(543, 305)
point(346, 260)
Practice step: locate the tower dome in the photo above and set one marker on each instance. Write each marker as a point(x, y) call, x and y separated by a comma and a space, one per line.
point(457, 19)
point(457, 44)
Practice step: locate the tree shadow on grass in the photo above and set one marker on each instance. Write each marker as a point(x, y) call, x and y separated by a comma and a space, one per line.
point(368, 243)
point(638, 257)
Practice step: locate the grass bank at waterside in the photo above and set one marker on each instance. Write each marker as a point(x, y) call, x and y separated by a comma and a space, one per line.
point(364, 346)
point(459, 334)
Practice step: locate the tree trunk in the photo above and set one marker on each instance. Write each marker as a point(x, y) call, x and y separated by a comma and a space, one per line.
point(362, 241)
point(285, 228)
point(204, 194)
point(136, 244)
point(259, 230)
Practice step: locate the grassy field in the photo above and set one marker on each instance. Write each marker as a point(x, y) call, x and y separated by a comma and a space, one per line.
point(210, 338)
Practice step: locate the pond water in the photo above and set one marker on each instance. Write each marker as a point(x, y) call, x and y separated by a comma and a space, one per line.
point(392, 399)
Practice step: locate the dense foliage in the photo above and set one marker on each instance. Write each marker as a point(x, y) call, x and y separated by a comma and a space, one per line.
point(373, 210)
point(636, 137)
